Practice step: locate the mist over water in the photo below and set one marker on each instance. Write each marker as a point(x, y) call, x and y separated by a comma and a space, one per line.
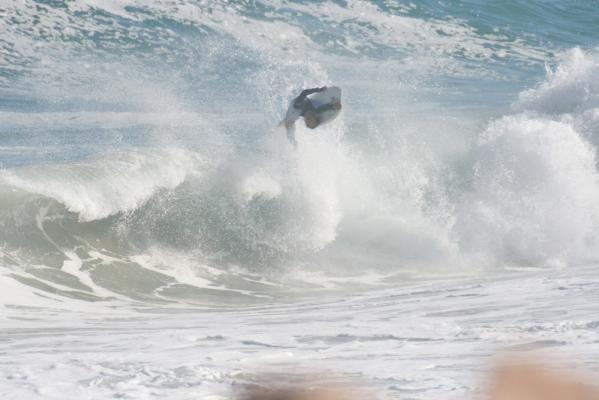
point(140, 155)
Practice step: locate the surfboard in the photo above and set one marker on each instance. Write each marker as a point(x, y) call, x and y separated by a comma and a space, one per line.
point(330, 95)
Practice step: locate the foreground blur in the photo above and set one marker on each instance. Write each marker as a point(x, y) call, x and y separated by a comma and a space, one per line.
point(512, 382)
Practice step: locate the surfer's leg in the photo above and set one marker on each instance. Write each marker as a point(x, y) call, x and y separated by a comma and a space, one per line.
point(291, 133)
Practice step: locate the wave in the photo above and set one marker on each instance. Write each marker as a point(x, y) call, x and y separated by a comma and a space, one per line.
point(100, 188)
point(139, 158)
point(535, 182)
point(570, 87)
point(535, 193)
point(529, 196)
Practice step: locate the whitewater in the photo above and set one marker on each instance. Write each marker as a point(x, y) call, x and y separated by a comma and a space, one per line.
point(160, 238)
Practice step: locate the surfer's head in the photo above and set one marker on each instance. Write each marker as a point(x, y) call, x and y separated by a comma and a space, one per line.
point(311, 119)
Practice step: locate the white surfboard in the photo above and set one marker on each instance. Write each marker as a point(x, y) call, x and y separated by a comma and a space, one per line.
point(330, 95)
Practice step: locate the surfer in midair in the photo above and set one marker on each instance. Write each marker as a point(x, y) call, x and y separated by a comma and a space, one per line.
point(316, 110)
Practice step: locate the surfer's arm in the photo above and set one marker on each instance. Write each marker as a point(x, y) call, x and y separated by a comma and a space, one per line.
point(308, 92)
point(301, 102)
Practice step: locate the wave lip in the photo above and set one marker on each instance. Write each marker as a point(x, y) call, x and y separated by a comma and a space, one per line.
point(535, 187)
point(573, 86)
point(99, 188)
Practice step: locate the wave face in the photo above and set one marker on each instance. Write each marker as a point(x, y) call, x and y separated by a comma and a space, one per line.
point(139, 154)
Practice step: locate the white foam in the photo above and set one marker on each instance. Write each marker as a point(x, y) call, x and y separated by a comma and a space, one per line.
point(535, 197)
point(260, 185)
point(96, 189)
point(535, 192)
point(431, 339)
point(572, 86)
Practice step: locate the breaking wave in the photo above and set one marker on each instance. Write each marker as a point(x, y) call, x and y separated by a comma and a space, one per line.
point(127, 177)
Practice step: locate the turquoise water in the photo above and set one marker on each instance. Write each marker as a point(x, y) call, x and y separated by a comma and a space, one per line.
point(200, 48)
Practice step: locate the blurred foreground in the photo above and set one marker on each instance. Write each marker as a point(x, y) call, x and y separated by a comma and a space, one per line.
point(510, 382)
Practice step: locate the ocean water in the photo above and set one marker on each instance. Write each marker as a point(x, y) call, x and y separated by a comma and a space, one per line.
point(160, 238)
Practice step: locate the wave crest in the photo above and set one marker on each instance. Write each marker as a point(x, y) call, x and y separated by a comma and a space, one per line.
point(96, 189)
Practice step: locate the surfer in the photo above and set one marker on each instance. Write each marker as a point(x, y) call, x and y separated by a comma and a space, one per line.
point(317, 106)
